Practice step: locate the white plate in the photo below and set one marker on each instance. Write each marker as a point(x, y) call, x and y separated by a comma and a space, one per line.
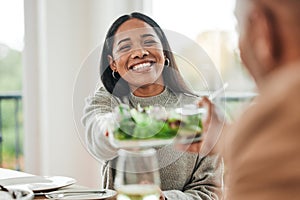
point(55, 183)
point(130, 144)
point(108, 193)
point(133, 144)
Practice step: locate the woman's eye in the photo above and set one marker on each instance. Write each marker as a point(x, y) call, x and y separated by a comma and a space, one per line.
point(149, 42)
point(124, 48)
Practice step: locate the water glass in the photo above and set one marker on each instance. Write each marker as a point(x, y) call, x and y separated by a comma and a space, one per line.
point(137, 175)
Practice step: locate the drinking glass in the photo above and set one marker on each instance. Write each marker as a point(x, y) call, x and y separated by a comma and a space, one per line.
point(137, 175)
point(190, 129)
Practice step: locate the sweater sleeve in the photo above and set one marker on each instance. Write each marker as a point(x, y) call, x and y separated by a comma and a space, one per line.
point(206, 182)
point(97, 119)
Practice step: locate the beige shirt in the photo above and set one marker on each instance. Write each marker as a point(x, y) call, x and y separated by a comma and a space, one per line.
point(262, 150)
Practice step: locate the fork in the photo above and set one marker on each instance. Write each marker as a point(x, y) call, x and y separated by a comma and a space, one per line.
point(61, 194)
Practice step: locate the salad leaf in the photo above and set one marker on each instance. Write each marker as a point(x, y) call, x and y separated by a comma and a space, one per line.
point(150, 123)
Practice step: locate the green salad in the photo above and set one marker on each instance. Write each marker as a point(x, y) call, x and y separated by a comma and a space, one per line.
point(153, 122)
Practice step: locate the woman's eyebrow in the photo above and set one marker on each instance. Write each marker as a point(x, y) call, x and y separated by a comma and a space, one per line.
point(128, 39)
point(147, 35)
point(124, 40)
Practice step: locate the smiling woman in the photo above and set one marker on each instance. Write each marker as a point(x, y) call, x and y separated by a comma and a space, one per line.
point(133, 40)
point(138, 57)
point(138, 68)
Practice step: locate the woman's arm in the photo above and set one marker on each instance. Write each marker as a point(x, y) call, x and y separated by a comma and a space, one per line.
point(206, 182)
point(96, 119)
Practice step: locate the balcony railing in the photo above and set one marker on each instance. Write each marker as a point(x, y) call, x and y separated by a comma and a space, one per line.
point(16, 98)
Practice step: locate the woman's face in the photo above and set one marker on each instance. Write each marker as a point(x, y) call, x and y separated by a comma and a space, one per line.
point(137, 54)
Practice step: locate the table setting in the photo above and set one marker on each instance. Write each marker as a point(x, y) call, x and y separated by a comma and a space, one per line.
point(24, 186)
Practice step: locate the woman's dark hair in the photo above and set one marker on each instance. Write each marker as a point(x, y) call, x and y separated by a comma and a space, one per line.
point(117, 85)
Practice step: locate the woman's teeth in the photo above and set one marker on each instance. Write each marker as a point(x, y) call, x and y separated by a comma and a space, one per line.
point(140, 67)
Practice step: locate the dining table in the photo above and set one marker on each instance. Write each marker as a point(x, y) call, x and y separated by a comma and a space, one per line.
point(10, 178)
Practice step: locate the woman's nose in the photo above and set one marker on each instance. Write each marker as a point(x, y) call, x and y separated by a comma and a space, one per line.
point(139, 53)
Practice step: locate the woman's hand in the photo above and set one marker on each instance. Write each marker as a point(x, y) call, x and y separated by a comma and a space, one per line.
point(100, 143)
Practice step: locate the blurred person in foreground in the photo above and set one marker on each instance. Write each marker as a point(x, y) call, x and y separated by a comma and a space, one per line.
point(261, 150)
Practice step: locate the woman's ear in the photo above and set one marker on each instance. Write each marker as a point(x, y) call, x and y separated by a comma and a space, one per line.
point(112, 63)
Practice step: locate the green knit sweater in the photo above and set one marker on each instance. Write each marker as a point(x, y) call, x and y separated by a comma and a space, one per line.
point(183, 175)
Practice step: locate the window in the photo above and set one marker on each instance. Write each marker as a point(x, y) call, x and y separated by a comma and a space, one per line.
point(11, 46)
point(211, 24)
